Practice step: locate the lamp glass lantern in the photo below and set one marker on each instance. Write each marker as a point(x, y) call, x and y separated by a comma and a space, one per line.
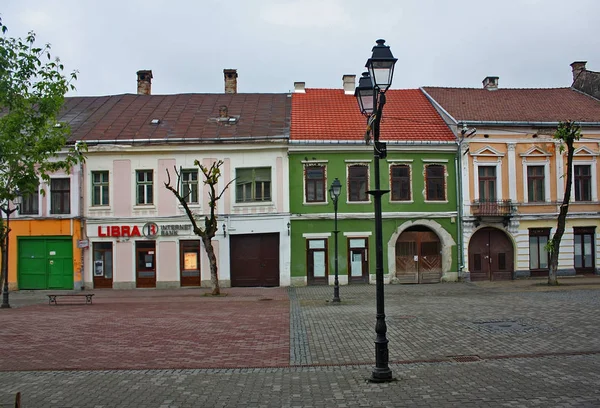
point(335, 189)
point(381, 66)
point(365, 94)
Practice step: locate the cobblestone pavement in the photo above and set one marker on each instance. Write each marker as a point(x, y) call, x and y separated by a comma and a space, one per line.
point(450, 345)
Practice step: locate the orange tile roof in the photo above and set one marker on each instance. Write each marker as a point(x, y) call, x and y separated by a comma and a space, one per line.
point(516, 105)
point(329, 114)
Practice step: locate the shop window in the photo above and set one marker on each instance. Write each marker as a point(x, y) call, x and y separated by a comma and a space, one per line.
point(144, 187)
point(189, 186)
point(60, 196)
point(103, 267)
point(584, 238)
point(400, 182)
point(253, 185)
point(314, 183)
point(538, 254)
point(100, 188)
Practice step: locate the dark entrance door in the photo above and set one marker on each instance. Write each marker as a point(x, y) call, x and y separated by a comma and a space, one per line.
point(254, 260)
point(418, 256)
point(491, 255)
point(103, 265)
point(189, 263)
point(584, 249)
point(145, 264)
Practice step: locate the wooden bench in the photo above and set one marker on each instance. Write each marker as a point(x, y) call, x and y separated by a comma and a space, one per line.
point(52, 299)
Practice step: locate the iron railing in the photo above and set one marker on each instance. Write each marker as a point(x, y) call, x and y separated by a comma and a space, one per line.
point(493, 208)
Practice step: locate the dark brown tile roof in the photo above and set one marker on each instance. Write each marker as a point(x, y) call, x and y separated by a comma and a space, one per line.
point(330, 114)
point(516, 105)
point(183, 116)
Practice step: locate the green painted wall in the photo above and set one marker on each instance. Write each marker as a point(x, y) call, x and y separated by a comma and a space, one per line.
point(337, 162)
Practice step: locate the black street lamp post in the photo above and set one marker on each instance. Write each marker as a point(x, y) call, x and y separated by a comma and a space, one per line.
point(334, 193)
point(370, 95)
point(7, 211)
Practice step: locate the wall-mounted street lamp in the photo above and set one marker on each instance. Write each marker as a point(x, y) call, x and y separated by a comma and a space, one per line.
point(334, 193)
point(370, 95)
point(7, 211)
point(224, 230)
point(289, 225)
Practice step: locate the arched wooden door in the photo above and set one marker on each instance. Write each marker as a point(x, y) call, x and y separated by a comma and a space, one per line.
point(418, 256)
point(491, 255)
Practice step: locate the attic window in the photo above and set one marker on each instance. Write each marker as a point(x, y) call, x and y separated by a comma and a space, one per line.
point(155, 121)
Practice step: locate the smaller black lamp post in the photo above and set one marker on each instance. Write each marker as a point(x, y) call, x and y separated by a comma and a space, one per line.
point(8, 211)
point(334, 193)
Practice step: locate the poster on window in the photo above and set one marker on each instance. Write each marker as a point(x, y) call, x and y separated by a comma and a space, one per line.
point(190, 260)
point(99, 268)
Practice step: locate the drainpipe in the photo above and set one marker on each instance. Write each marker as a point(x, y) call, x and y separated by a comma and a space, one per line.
point(459, 188)
point(81, 221)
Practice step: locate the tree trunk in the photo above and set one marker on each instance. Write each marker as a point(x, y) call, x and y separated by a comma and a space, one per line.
point(212, 260)
point(562, 217)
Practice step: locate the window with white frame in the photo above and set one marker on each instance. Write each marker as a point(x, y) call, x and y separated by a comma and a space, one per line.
point(536, 181)
point(100, 188)
point(30, 204)
point(144, 187)
point(189, 185)
point(400, 182)
point(358, 182)
point(487, 183)
point(60, 196)
point(538, 254)
point(253, 185)
point(582, 179)
point(435, 182)
point(314, 183)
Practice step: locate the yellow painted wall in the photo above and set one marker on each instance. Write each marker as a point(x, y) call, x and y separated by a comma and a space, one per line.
point(35, 228)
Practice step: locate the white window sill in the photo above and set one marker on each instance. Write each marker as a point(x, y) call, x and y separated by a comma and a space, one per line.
point(316, 203)
point(436, 201)
point(254, 204)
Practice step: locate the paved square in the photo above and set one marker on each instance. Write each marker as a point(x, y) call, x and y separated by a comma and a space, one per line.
point(512, 344)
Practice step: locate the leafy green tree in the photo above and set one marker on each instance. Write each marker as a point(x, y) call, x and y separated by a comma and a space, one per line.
point(212, 175)
point(567, 133)
point(33, 144)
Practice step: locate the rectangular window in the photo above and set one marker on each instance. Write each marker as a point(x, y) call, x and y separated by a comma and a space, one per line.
point(400, 182)
point(538, 255)
point(314, 181)
point(535, 184)
point(358, 180)
point(583, 183)
point(100, 188)
point(253, 185)
point(189, 186)
point(584, 238)
point(144, 187)
point(435, 184)
point(487, 183)
point(60, 196)
point(316, 252)
point(29, 204)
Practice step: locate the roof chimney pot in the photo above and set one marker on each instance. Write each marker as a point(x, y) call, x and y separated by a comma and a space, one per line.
point(299, 87)
point(490, 83)
point(577, 68)
point(230, 81)
point(144, 82)
point(349, 83)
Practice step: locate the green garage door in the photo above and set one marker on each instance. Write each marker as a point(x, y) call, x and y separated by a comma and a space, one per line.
point(45, 263)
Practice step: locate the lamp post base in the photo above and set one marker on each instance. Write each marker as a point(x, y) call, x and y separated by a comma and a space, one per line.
point(381, 376)
point(4, 306)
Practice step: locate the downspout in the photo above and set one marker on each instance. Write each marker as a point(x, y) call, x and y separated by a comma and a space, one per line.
point(81, 222)
point(458, 164)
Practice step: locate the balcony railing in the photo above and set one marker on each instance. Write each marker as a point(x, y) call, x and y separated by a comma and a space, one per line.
point(493, 208)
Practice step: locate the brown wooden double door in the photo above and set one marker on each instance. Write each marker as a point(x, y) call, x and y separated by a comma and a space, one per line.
point(418, 256)
point(254, 260)
point(491, 255)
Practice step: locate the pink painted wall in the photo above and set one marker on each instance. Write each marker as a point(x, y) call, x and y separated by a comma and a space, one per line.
point(168, 263)
point(167, 203)
point(122, 189)
point(205, 267)
point(124, 268)
point(279, 178)
point(227, 195)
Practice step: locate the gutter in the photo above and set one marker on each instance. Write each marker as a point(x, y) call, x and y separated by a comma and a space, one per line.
point(179, 140)
point(524, 124)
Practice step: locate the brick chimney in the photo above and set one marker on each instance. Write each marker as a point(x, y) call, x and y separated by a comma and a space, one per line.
point(490, 83)
point(230, 80)
point(349, 83)
point(144, 82)
point(577, 67)
point(299, 87)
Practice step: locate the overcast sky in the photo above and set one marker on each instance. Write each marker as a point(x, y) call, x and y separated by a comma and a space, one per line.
point(273, 43)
